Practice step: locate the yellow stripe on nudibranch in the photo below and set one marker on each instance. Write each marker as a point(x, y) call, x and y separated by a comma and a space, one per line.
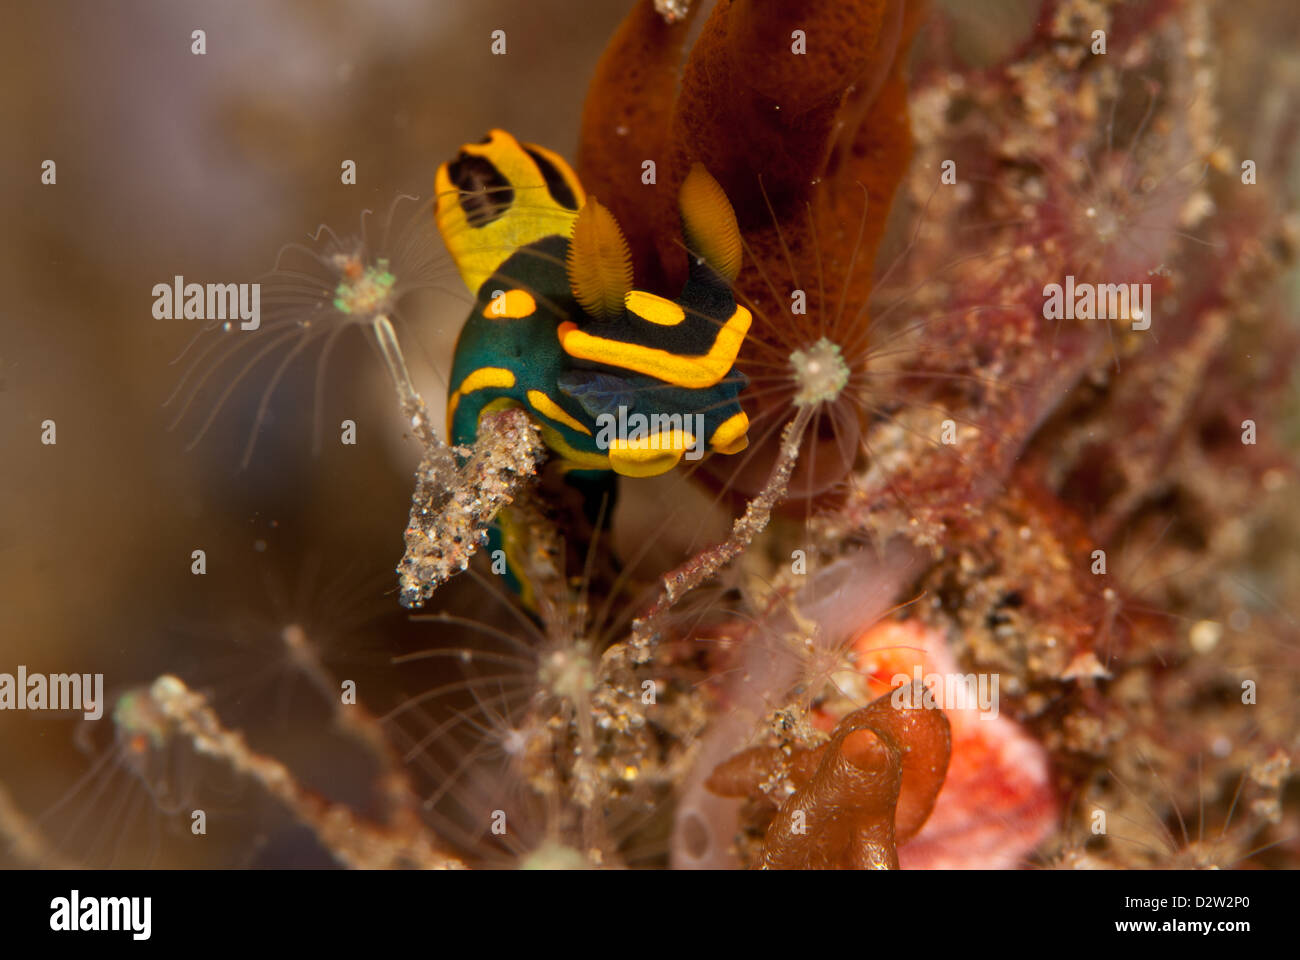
point(512, 539)
point(510, 305)
point(692, 371)
point(549, 408)
point(487, 377)
point(478, 380)
point(650, 456)
point(732, 434)
point(654, 308)
point(579, 459)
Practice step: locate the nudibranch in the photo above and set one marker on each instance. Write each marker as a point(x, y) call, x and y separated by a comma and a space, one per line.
point(618, 379)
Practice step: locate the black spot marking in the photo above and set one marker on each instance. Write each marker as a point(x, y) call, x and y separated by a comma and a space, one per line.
point(1013, 598)
point(485, 195)
point(556, 185)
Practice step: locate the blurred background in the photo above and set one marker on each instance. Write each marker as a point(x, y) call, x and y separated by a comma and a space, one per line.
point(205, 166)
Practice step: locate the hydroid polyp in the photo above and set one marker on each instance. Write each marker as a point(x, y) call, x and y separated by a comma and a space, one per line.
point(315, 294)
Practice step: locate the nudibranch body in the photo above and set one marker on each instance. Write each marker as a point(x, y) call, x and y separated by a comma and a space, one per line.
point(618, 380)
point(557, 329)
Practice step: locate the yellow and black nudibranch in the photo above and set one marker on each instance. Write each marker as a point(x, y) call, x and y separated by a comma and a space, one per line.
point(617, 378)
